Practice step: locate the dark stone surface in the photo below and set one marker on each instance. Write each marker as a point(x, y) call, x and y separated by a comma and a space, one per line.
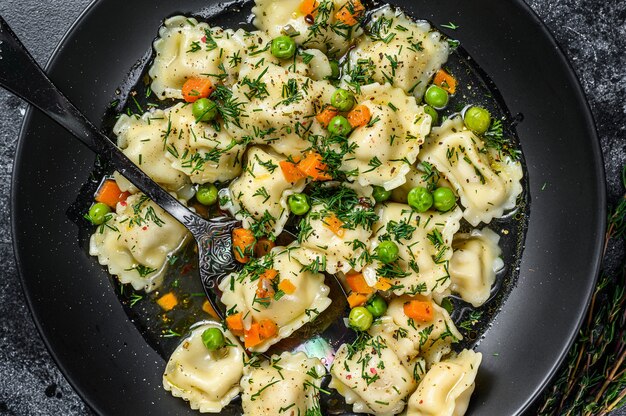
point(591, 32)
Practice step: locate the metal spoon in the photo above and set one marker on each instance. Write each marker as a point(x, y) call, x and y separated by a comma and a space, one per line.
point(20, 74)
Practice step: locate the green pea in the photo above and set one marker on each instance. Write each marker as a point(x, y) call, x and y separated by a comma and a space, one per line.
point(342, 100)
point(387, 252)
point(377, 306)
point(334, 68)
point(339, 126)
point(380, 194)
point(360, 319)
point(204, 110)
point(213, 339)
point(436, 97)
point(207, 194)
point(432, 113)
point(477, 119)
point(283, 47)
point(298, 204)
point(98, 213)
point(420, 199)
point(444, 199)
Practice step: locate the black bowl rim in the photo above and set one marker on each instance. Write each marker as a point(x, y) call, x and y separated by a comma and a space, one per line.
point(598, 171)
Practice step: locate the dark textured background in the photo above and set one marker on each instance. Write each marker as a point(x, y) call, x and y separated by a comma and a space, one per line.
point(591, 32)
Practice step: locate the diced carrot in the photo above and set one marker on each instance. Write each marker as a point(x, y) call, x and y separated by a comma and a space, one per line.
point(445, 81)
point(243, 244)
point(286, 286)
point(334, 224)
point(234, 322)
point(267, 328)
point(383, 283)
point(309, 7)
point(264, 290)
point(359, 116)
point(168, 301)
point(327, 114)
point(263, 246)
point(252, 336)
point(110, 194)
point(357, 283)
point(313, 167)
point(269, 274)
point(419, 310)
point(206, 306)
point(356, 299)
point(350, 12)
point(291, 171)
point(264, 286)
point(196, 88)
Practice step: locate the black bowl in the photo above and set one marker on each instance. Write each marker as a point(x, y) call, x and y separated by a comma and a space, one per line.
point(106, 358)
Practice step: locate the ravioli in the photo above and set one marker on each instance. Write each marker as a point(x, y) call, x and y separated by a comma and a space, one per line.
point(326, 32)
point(187, 48)
point(487, 182)
point(287, 384)
point(412, 339)
point(447, 387)
point(289, 311)
point(329, 244)
point(136, 241)
point(474, 264)
point(385, 149)
point(259, 196)
point(398, 51)
point(208, 380)
point(277, 107)
point(371, 377)
point(425, 248)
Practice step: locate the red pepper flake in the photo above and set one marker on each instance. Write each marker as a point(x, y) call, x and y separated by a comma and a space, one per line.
point(203, 39)
point(123, 203)
point(145, 227)
point(372, 370)
point(186, 269)
point(349, 377)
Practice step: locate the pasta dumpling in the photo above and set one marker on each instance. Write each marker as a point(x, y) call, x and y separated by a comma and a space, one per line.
point(311, 63)
point(187, 48)
point(371, 377)
point(425, 247)
point(321, 30)
point(487, 182)
point(411, 338)
point(255, 293)
point(330, 244)
point(259, 196)
point(208, 380)
point(135, 242)
point(141, 140)
point(285, 385)
point(386, 147)
point(474, 264)
point(447, 387)
point(277, 107)
point(399, 51)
